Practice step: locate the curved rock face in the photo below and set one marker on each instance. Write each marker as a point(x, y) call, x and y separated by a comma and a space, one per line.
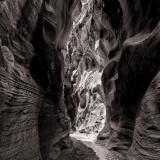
point(34, 124)
point(110, 70)
point(19, 94)
point(133, 63)
point(145, 143)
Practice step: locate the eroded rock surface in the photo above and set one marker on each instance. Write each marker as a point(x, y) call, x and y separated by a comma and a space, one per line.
point(20, 96)
point(110, 70)
point(122, 39)
point(33, 118)
point(85, 60)
point(133, 64)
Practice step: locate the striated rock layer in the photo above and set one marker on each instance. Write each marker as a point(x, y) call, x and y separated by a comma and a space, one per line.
point(85, 60)
point(34, 123)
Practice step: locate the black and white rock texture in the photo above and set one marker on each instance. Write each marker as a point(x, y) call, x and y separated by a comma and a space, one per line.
point(80, 64)
point(34, 124)
point(132, 77)
point(120, 39)
point(85, 60)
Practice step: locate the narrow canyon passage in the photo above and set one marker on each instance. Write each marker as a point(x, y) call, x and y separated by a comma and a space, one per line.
point(79, 79)
point(100, 151)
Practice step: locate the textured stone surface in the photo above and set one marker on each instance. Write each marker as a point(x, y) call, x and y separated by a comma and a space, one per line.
point(20, 97)
point(133, 64)
point(77, 152)
point(146, 136)
point(111, 65)
point(122, 38)
point(84, 62)
point(33, 116)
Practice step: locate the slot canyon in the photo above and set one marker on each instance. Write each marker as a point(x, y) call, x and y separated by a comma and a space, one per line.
point(79, 80)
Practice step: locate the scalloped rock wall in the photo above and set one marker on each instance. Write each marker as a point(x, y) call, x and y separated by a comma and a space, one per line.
point(132, 75)
point(112, 72)
point(34, 124)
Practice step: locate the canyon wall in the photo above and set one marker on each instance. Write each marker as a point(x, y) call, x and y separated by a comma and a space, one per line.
point(109, 72)
point(120, 40)
point(34, 123)
point(20, 95)
point(132, 79)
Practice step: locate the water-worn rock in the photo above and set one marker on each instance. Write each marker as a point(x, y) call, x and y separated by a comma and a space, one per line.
point(84, 61)
point(137, 58)
point(77, 152)
point(112, 68)
point(122, 38)
point(33, 116)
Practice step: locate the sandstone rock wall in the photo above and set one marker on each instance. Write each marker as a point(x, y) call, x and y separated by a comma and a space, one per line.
point(122, 39)
point(134, 62)
point(112, 66)
point(85, 60)
point(33, 116)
